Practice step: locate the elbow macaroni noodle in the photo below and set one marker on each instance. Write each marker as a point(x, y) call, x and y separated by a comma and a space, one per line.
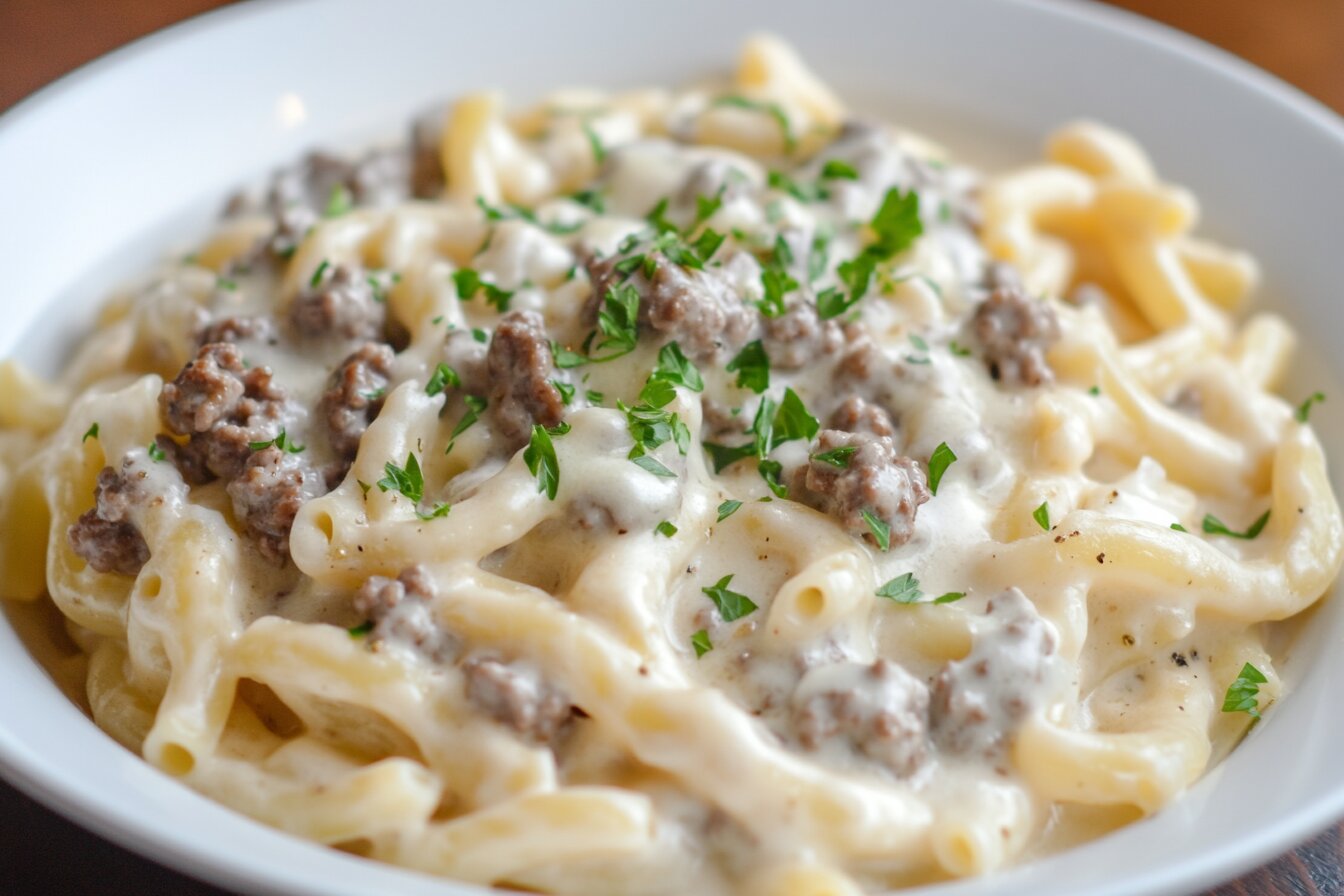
point(682, 773)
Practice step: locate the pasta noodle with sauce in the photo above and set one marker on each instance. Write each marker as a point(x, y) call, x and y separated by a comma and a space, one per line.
point(662, 492)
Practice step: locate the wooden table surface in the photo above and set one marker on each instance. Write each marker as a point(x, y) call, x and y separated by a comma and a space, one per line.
point(1301, 41)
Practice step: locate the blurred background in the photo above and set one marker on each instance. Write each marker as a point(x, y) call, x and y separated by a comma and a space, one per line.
point(1301, 41)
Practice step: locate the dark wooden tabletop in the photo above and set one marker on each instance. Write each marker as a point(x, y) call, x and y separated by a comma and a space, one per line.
point(1301, 41)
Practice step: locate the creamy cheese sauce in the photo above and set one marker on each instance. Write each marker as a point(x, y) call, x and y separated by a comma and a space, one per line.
point(660, 494)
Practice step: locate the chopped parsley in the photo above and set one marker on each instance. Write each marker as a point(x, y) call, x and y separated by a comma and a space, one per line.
point(223, 282)
point(774, 110)
point(1042, 515)
point(802, 192)
point(731, 604)
point(541, 460)
point(881, 531)
point(1304, 409)
point(706, 206)
point(727, 509)
point(408, 480)
point(836, 457)
point(700, 641)
point(674, 367)
point(1243, 695)
point(339, 201)
point(752, 367)
point(1179, 528)
point(1094, 391)
point(440, 510)
point(566, 359)
point(665, 528)
point(818, 256)
point(509, 212)
point(942, 458)
point(475, 407)
point(775, 285)
point(444, 376)
point(479, 335)
point(651, 464)
point(91, 433)
point(282, 441)
point(958, 349)
point(362, 629)
point(904, 589)
point(469, 283)
point(591, 200)
point(317, 274)
point(618, 321)
point(895, 227)
point(1215, 526)
point(156, 453)
point(595, 143)
point(918, 342)
point(836, 169)
point(566, 390)
point(770, 471)
point(792, 420)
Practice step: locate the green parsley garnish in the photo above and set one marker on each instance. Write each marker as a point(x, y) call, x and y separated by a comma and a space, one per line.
point(591, 200)
point(775, 285)
point(565, 359)
point(731, 604)
point(802, 192)
point(91, 433)
point(881, 531)
point(566, 390)
point(1179, 528)
point(339, 201)
point(1304, 409)
point(440, 510)
point(444, 376)
point(469, 283)
point(770, 471)
point(223, 282)
point(618, 322)
point(832, 302)
point(700, 641)
point(1094, 391)
point(479, 335)
point(595, 143)
point(942, 458)
point(1243, 695)
point(904, 589)
point(818, 256)
point(156, 453)
point(475, 407)
point(752, 367)
point(665, 528)
point(509, 212)
point(409, 480)
point(1215, 526)
point(317, 274)
point(958, 349)
point(1042, 515)
point(674, 367)
point(836, 457)
point(727, 509)
point(282, 441)
point(541, 460)
point(774, 110)
point(895, 227)
point(651, 464)
point(835, 169)
point(706, 206)
point(362, 629)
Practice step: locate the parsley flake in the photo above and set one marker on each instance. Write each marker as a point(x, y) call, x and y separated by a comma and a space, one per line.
point(541, 460)
point(775, 285)
point(339, 201)
point(317, 274)
point(665, 528)
point(879, 528)
point(774, 110)
point(1042, 515)
point(942, 458)
point(1215, 526)
point(727, 509)
point(1243, 695)
point(156, 453)
point(408, 480)
point(469, 283)
point(731, 605)
point(752, 366)
point(91, 433)
point(444, 376)
point(904, 589)
point(281, 441)
point(836, 169)
point(700, 641)
point(1304, 409)
point(595, 143)
point(836, 457)
point(362, 629)
point(566, 390)
point(1179, 528)
point(475, 407)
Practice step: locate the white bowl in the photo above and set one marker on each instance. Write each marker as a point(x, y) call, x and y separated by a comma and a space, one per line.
point(131, 156)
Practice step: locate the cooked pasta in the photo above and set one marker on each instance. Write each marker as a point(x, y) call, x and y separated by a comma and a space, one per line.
point(702, 491)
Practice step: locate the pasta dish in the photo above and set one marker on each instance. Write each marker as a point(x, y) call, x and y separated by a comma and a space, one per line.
point(702, 491)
